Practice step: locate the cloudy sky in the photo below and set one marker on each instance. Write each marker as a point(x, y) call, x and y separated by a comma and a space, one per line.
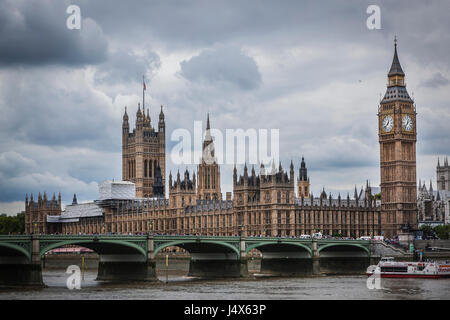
point(309, 68)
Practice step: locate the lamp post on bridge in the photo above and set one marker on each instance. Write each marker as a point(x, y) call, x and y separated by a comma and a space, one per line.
point(150, 227)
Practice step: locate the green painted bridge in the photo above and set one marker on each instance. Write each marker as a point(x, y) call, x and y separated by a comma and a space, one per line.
point(132, 257)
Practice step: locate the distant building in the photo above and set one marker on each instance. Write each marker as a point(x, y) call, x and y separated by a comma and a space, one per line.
point(144, 153)
point(261, 204)
point(434, 205)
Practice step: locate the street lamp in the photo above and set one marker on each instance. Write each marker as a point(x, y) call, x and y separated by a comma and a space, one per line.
point(150, 227)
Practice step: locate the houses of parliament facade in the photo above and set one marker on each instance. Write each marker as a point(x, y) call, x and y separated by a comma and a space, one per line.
point(262, 204)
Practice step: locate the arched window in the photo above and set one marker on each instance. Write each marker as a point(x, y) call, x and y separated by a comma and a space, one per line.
point(145, 168)
point(150, 169)
point(279, 197)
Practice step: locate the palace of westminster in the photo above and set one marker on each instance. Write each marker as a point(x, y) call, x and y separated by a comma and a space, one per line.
point(263, 204)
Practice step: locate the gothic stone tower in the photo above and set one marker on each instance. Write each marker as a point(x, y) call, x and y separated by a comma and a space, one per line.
point(143, 151)
point(36, 213)
point(303, 184)
point(208, 170)
point(443, 176)
point(397, 138)
point(182, 192)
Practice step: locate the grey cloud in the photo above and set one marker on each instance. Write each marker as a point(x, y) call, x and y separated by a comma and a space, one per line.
point(436, 80)
point(126, 67)
point(33, 169)
point(333, 126)
point(35, 33)
point(43, 113)
point(220, 65)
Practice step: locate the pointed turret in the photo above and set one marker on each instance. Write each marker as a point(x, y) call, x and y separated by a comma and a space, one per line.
point(396, 68)
point(303, 172)
point(74, 200)
point(125, 116)
point(161, 123)
point(262, 170)
point(431, 188)
point(396, 88)
point(139, 118)
point(291, 172)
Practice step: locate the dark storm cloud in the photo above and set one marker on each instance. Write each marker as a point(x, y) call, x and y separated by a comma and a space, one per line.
point(223, 65)
point(310, 68)
point(56, 107)
point(35, 33)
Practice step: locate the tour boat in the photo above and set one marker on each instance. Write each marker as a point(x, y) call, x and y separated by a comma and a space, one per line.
point(388, 268)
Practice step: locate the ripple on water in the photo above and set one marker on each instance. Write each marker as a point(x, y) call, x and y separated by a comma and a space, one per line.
point(259, 288)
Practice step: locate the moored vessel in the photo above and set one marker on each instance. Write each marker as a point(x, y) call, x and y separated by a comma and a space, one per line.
point(388, 268)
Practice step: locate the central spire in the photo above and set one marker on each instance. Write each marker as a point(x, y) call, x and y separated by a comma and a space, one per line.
point(396, 68)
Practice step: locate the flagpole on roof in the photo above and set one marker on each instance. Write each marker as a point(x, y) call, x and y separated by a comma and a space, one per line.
point(143, 89)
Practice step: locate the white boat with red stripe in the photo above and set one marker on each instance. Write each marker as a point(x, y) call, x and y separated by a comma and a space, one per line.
point(388, 268)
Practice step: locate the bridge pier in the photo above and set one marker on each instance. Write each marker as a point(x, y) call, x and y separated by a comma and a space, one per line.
point(128, 267)
point(315, 258)
point(286, 261)
point(243, 268)
point(20, 271)
point(286, 266)
point(219, 264)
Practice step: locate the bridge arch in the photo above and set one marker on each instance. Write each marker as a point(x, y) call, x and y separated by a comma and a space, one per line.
point(262, 244)
point(180, 243)
point(366, 250)
point(16, 248)
point(95, 245)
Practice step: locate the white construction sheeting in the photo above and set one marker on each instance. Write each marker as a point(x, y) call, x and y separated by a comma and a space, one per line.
point(117, 190)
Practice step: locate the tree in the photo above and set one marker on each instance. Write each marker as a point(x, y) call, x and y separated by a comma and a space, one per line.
point(12, 224)
point(443, 231)
point(376, 196)
point(427, 231)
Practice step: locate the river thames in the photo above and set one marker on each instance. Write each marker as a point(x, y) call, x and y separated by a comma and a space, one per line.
point(260, 288)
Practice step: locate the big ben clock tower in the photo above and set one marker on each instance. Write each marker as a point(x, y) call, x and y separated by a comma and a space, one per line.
point(397, 137)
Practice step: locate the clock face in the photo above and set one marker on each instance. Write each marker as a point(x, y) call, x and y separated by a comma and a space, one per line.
point(387, 123)
point(407, 123)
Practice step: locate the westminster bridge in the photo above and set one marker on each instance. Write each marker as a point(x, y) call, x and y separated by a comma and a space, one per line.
point(132, 257)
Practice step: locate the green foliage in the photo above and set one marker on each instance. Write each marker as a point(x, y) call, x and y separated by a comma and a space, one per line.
point(12, 224)
point(427, 230)
point(443, 232)
point(376, 196)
